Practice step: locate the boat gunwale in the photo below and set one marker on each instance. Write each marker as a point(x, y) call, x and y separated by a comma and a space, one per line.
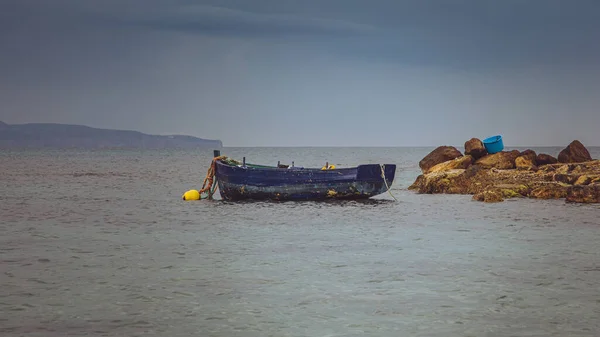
point(275, 168)
point(250, 166)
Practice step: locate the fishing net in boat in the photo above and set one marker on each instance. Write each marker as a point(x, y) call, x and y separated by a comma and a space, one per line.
point(228, 161)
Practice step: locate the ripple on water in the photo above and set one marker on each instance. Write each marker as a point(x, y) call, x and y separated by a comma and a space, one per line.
point(132, 259)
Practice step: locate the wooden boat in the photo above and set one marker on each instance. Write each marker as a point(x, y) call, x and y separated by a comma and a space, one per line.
point(240, 181)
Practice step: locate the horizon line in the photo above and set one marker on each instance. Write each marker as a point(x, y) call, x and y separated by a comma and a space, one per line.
point(375, 146)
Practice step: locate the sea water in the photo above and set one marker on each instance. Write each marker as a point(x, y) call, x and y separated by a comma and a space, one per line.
point(99, 243)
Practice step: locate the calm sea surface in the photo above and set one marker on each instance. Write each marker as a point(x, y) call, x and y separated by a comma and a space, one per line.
point(100, 243)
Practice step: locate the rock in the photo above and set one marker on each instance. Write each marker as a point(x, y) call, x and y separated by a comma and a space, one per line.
point(578, 169)
point(441, 182)
point(549, 191)
point(437, 156)
point(458, 163)
point(574, 153)
point(489, 180)
point(478, 197)
point(530, 154)
point(544, 176)
point(472, 170)
point(525, 163)
point(420, 181)
point(501, 192)
point(475, 148)
point(585, 180)
point(502, 160)
point(513, 190)
point(545, 159)
point(565, 169)
point(565, 178)
point(546, 168)
point(489, 196)
point(584, 194)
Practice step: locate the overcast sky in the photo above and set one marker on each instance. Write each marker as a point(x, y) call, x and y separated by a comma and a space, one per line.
point(308, 72)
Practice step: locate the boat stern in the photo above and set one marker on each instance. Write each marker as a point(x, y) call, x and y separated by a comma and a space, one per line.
point(376, 173)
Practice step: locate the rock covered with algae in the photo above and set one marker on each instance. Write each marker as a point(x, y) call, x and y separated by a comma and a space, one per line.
point(513, 174)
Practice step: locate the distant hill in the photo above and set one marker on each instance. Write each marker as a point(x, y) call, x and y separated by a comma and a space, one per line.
point(50, 135)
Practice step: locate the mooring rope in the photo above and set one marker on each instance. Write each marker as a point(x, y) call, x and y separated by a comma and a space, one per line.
point(207, 186)
point(385, 181)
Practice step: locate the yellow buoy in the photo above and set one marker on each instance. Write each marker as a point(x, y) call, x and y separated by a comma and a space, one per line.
point(330, 167)
point(191, 195)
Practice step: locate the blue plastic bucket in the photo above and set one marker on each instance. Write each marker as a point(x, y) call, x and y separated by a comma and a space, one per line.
point(493, 144)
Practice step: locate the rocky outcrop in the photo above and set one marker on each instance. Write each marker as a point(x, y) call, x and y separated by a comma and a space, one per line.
point(549, 191)
point(475, 148)
point(493, 178)
point(501, 160)
point(587, 179)
point(568, 179)
point(529, 154)
point(458, 163)
point(500, 192)
point(545, 159)
point(574, 153)
point(526, 161)
point(440, 182)
point(437, 156)
point(522, 163)
point(584, 194)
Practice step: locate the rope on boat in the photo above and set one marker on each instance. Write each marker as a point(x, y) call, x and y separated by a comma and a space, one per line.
point(385, 181)
point(207, 185)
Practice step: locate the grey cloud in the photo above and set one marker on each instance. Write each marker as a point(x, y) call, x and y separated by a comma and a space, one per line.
point(221, 21)
point(483, 33)
point(458, 34)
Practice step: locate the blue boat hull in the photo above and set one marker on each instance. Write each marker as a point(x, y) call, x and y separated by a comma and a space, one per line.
point(266, 183)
